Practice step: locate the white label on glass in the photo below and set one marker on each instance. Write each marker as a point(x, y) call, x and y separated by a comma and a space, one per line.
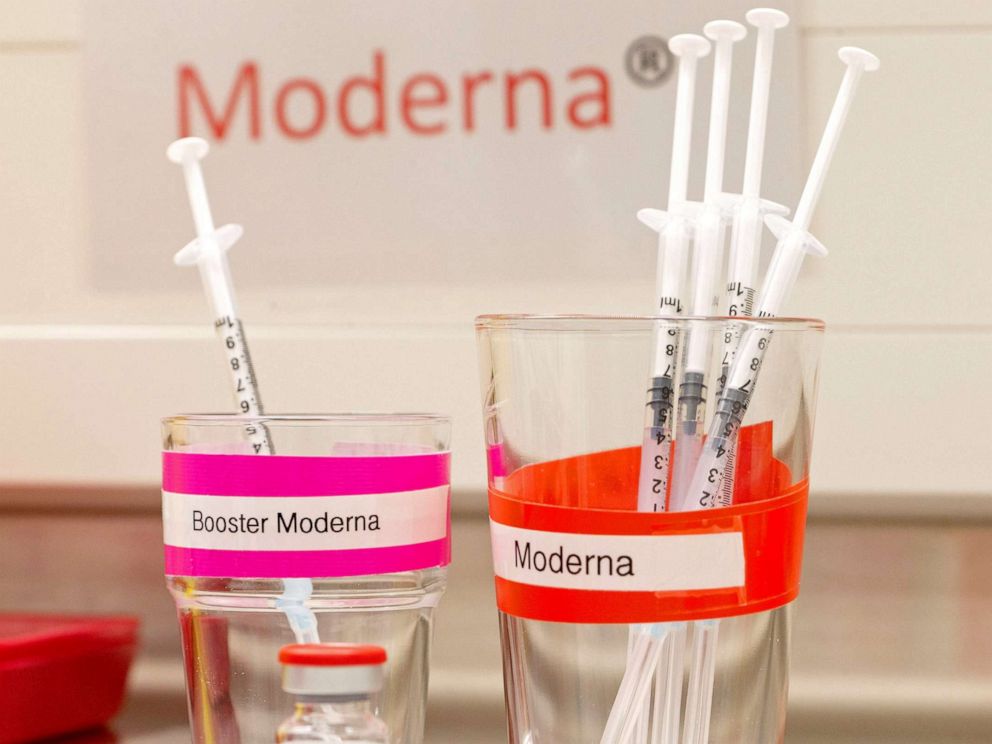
point(657, 563)
point(305, 522)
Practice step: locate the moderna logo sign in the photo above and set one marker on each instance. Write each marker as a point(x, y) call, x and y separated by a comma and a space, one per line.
point(378, 102)
point(531, 131)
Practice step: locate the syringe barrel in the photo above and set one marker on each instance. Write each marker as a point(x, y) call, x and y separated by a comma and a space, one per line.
point(243, 382)
point(706, 262)
point(742, 268)
point(745, 247)
point(665, 343)
point(697, 348)
point(656, 447)
point(706, 487)
point(690, 420)
point(783, 271)
point(750, 353)
point(215, 273)
point(729, 413)
point(673, 245)
point(705, 292)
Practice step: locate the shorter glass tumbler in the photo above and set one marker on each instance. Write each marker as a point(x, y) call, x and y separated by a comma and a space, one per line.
point(338, 530)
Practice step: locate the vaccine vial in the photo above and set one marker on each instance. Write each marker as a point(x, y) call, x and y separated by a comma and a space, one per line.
point(335, 686)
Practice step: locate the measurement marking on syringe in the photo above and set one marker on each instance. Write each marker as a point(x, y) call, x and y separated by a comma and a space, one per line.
point(243, 372)
point(656, 453)
point(737, 305)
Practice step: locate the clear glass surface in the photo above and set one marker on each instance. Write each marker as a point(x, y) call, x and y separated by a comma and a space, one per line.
point(555, 387)
point(333, 723)
point(232, 629)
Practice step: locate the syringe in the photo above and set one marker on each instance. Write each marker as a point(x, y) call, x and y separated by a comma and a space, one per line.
point(742, 266)
point(674, 232)
point(794, 242)
point(709, 224)
point(745, 238)
point(749, 208)
point(711, 483)
point(707, 255)
point(629, 715)
point(706, 259)
point(208, 251)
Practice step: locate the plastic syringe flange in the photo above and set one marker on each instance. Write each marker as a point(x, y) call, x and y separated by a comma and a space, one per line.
point(223, 238)
point(782, 228)
point(659, 219)
point(730, 203)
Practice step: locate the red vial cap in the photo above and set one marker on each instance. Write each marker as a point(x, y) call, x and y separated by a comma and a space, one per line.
point(331, 654)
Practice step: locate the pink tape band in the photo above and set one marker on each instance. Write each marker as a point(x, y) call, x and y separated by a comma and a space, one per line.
point(494, 453)
point(275, 564)
point(278, 475)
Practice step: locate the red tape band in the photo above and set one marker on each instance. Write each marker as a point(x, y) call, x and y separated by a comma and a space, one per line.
point(564, 563)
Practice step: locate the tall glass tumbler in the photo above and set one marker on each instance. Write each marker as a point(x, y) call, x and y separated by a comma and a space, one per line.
point(581, 569)
point(357, 506)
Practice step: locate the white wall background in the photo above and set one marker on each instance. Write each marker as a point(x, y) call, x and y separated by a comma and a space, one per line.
point(906, 213)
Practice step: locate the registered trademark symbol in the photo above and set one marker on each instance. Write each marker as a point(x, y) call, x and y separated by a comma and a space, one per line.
point(648, 61)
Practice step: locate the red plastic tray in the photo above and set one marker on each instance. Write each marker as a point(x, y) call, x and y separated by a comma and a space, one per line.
point(61, 673)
